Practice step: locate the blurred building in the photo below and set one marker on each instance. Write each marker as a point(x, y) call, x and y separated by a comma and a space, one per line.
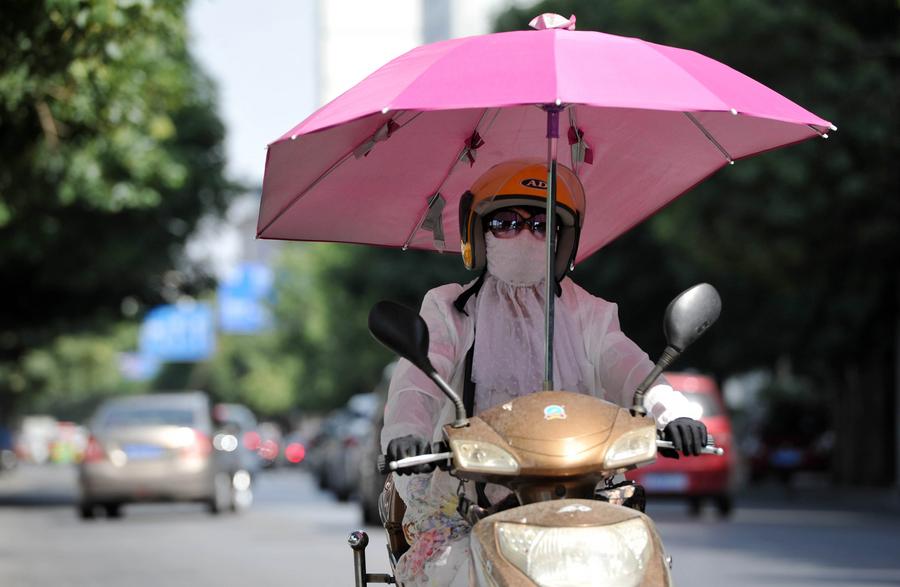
point(357, 37)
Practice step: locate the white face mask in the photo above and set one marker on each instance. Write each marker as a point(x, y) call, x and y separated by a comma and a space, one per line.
point(519, 260)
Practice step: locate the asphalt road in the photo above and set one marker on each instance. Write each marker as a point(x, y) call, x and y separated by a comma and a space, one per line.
point(296, 535)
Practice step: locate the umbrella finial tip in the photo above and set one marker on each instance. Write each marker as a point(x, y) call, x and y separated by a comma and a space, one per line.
point(550, 20)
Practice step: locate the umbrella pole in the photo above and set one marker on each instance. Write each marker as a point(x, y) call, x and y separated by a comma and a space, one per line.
point(550, 282)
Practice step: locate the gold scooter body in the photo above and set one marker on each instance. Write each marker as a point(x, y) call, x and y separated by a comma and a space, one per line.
point(560, 444)
point(558, 452)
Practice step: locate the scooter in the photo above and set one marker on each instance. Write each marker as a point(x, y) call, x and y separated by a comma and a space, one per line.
point(567, 521)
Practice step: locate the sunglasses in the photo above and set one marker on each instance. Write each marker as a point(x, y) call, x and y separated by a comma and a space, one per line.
point(508, 223)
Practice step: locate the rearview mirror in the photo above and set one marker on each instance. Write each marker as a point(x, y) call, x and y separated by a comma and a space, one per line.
point(690, 315)
point(403, 331)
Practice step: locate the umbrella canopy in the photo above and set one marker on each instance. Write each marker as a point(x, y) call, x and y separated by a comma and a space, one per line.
point(386, 162)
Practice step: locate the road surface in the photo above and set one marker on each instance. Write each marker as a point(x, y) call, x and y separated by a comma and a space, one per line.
point(296, 535)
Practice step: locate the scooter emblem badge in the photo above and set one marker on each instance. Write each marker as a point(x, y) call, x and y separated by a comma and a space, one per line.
point(554, 412)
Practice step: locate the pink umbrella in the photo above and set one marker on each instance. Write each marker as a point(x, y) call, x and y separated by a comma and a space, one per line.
point(386, 162)
point(657, 120)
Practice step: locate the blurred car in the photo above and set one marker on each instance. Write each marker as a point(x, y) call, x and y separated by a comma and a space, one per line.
point(705, 477)
point(339, 448)
point(35, 435)
point(319, 445)
point(294, 451)
point(270, 439)
point(157, 447)
point(239, 420)
point(371, 482)
point(68, 444)
point(8, 457)
point(790, 435)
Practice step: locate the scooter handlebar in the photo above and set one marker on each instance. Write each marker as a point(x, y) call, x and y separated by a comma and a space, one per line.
point(385, 466)
point(709, 449)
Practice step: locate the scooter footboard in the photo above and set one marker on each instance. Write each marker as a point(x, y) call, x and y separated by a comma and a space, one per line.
point(616, 546)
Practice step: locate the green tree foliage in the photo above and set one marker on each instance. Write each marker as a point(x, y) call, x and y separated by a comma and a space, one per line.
point(802, 242)
point(324, 293)
point(69, 376)
point(254, 370)
point(110, 150)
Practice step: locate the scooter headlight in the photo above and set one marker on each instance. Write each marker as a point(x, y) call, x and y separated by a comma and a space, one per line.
point(631, 448)
point(568, 557)
point(483, 457)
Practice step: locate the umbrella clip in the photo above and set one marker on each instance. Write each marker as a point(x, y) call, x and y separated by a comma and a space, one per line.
point(581, 151)
point(473, 143)
point(432, 221)
point(382, 134)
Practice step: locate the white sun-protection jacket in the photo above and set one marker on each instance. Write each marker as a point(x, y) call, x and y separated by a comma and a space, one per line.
point(591, 355)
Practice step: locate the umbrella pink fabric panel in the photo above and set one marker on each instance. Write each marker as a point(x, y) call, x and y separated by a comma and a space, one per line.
point(375, 199)
point(535, 67)
point(642, 160)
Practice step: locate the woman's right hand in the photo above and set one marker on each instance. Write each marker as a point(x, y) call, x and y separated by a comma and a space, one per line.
point(409, 446)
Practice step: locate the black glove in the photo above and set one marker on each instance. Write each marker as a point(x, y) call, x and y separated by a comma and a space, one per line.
point(687, 435)
point(409, 446)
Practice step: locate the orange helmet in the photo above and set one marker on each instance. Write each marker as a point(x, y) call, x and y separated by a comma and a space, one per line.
point(521, 182)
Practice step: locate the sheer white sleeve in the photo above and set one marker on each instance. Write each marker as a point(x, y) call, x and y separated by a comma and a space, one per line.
point(622, 366)
point(414, 403)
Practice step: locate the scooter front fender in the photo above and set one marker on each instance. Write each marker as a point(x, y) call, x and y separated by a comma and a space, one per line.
point(498, 541)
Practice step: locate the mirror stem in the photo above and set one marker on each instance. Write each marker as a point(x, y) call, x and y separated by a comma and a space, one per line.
point(461, 420)
point(668, 356)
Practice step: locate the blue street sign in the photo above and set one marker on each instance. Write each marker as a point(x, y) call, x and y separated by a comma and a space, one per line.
point(241, 299)
point(137, 367)
point(182, 333)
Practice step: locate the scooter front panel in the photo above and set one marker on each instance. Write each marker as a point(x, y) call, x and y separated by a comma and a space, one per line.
point(491, 566)
point(552, 434)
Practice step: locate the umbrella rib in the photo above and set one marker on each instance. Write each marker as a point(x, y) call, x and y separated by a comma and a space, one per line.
point(328, 172)
point(435, 193)
point(822, 134)
point(709, 136)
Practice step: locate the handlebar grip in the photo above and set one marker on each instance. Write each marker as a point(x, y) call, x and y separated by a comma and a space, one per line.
point(384, 466)
point(709, 449)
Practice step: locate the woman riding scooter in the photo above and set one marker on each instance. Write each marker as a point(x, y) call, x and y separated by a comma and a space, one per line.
point(486, 339)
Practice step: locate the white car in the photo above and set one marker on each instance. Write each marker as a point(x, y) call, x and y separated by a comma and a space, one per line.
point(159, 447)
